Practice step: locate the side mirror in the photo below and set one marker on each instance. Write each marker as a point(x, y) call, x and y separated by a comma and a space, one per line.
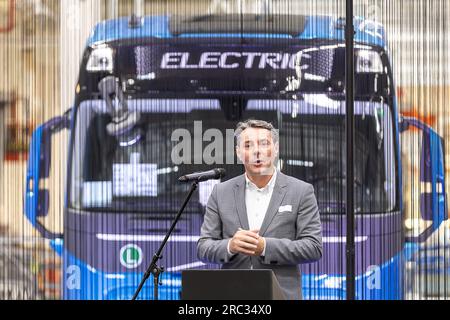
point(433, 197)
point(38, 168)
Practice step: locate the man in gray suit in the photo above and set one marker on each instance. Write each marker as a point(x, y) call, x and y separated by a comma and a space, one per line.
point(262, 219)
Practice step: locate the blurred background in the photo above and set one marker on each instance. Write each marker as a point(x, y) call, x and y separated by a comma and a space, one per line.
point(41, 45)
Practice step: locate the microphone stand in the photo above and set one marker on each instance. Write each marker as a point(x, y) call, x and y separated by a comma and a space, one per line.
point(153, 267)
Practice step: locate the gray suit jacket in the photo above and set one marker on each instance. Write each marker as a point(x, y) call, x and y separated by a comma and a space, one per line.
point(292, 237)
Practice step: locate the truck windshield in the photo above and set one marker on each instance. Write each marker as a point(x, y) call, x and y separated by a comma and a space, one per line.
point(138, 171)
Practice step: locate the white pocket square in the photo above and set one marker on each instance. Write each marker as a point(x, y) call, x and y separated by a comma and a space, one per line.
point(286, 208)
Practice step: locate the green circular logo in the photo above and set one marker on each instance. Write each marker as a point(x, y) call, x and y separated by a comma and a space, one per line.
point(131, 256)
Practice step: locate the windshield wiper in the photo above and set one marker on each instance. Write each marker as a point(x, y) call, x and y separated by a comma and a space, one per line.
point(123, 121)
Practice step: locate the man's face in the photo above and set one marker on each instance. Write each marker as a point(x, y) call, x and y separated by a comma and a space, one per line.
point(257, 151)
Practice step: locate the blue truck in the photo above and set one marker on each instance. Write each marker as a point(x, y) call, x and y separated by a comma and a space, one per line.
point(148, 85)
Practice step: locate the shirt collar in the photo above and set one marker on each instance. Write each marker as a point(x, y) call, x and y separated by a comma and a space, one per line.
point(268, 186)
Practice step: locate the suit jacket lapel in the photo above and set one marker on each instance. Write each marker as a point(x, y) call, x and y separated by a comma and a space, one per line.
point(279, 191)
point(239, 197)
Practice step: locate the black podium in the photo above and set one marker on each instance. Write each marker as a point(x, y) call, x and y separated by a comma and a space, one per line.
point(230, 285)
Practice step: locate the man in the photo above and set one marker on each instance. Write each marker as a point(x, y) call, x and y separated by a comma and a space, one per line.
point(262, 219)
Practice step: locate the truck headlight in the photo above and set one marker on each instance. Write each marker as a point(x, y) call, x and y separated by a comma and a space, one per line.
point(368, 61)
point(101, 60)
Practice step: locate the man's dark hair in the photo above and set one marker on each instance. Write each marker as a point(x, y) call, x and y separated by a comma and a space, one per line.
point(253, 123)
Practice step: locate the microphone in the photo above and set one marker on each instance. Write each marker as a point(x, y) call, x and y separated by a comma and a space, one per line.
point(204, 175)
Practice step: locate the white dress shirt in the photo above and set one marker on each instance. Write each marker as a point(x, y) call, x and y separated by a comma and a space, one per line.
point(256, 202)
